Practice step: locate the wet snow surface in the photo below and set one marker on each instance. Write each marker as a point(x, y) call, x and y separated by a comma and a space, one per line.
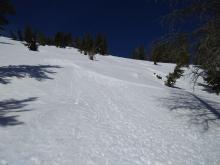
point(59, 108)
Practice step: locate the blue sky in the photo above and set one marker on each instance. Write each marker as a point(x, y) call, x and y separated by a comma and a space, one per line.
point(126, 24)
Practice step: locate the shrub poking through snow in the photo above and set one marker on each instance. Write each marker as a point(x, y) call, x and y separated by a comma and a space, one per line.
point(159, 77)
point(91, 54)
point(172, 77)
point(33, 45)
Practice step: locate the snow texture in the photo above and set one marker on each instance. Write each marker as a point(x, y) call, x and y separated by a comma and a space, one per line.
point(59, 108)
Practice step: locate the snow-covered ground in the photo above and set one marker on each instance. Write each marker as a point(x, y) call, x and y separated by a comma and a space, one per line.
point(59, 108)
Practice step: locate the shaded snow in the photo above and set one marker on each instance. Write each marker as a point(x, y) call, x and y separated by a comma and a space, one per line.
point(57, 107)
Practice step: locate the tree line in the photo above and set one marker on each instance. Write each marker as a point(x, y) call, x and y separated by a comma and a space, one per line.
point(86, 44)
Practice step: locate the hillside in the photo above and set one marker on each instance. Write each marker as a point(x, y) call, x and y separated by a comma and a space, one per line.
point(58, 107)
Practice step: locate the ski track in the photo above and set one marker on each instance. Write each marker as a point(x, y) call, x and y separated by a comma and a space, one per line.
point(108, 112)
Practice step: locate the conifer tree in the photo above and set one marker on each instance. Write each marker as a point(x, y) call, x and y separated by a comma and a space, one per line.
point(20, 35)
point(139, 53)
point(49, 41)
point(83, 46)
point(31, 38)
point(33, 44)
point(87, 44)
point(41, 39)
point(173, 49)
point(172, 77)
point(78, 44)
point(6, 8)
point(58, 39)
point(13, 35)
point(104, 46)
point(98, 44)
point(28, 34)
point(68, 40)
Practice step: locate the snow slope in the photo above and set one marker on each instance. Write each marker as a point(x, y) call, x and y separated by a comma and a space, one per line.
point(59, 108)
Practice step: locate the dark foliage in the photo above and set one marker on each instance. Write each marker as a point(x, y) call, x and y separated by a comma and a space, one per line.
point(20, 35)
point(100, 45)
point(89, 45)
point(63, 40)
point(13, 35)
point(41, 39)
point(6, 8)
point(68, 40)
point(78, 44)
point(33, 45)
point(206, 36)
point(28, 34)
point(159, 77)
point(31, 39)
point(171, 49)
point(58, 39)
point(139, 53)
point(172, 77)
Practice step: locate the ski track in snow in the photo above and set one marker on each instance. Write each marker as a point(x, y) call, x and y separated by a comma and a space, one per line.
point(112, 111)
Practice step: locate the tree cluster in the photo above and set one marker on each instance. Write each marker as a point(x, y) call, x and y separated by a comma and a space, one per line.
point(63, 40)
point(91, 46)
point(31, 38)
point(206, 37)
point(86, 44)
point(172, 49)
point(139, 53)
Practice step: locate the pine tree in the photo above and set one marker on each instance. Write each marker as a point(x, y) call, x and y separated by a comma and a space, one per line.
point(58, 39)
point(83, 46)
point(139, 53)
point(78, 44)
point(98, 44)
point(172, 49)
point(13, 35)
point(104, 46)
point(28, 34)
point(49, 41)
point(20, 35)
point(31, 39)
point(158, 51)
point(32, 45)
point(87, 44)
point(172, 77)
point(6, 8)
point(41, 39)
point(68, 40)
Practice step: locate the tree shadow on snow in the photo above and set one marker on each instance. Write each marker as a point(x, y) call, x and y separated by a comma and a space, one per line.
point(6, 43)
point(38, 72)
point(201, 112)
point(13, 106)
point(206, 88)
